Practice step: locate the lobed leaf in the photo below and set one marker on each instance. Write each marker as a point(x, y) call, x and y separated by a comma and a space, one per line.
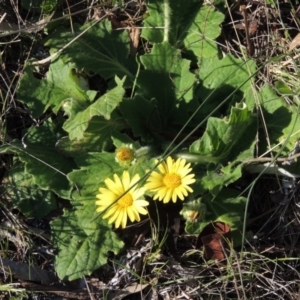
point(100, 49)
point(183, 24)
point(81, 253)
point(78, 122)
point(48, 167)
point(175, 82)
point(282, 121)
point(201, 35)
point(26, 196)
point(140, 114)
point(224, 135)
point(61, 83)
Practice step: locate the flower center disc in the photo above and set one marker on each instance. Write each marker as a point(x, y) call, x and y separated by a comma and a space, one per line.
point(172, 180)
point(125, 201)
point(124, 154)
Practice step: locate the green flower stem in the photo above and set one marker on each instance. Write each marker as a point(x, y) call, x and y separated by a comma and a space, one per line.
point(167, 20)
point(147, 150)
point(196, 158)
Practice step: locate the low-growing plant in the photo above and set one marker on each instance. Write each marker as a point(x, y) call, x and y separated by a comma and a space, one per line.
point(176, 122)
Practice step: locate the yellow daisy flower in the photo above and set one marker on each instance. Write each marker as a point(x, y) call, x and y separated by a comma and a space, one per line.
point(172, 181)
point(129, 205)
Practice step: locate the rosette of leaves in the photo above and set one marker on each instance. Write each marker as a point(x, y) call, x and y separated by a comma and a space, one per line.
point(173, 88)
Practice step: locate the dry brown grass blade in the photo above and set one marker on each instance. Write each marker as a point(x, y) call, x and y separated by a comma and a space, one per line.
point(29, 28)
point(9, 29)
point(295, 42)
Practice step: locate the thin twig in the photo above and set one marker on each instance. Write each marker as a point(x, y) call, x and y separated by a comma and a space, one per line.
point(243, 10)
point(269, 159)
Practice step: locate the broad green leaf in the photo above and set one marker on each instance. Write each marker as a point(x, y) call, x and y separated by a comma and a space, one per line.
point(283, 88)
point(226, 71)
point(94, 169)
point(21, 192)
point(48, 167)
point(142, 117)
point(100, 49)
point(81, 253)
point(184, 81)
point(227, 77)
point(169, 20)
point(203, 31)
point(220, 177)
point(79, 121)
point(292, 131)
point(187, 23)
point(223, 135)
point(282, 121)
point(270, 101)
point(175, 82)
point(120, 139)
point(97, 138)
point(61, 83)
point(154, 23)
point(227, 207)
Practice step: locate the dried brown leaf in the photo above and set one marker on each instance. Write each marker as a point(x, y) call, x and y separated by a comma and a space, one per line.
point(134, 34)
point(295, 42)
point(213, 239)
point(27, 272)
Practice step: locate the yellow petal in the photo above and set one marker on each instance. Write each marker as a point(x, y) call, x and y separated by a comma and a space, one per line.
point(119, 219)
point(130, 214)
point(126, 180)
point(135, 179)
point(141, 203)
point(138, 193)
point(154, 184)
point(124, 220)
point(141, 210)
point(163, 168)
point(167, 196)
point(136, 214)
point(179, 191)
point(114, 217)
point(110, 211)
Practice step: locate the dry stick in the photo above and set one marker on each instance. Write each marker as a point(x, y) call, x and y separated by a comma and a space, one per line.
point(267, 138)
point(250, 49)
point(269, 159)
point(238, 42)
point(289, 61)
point(2, 18)
point(36, 26)
point(88, 289)
point(71, 23)
point(243, 10)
